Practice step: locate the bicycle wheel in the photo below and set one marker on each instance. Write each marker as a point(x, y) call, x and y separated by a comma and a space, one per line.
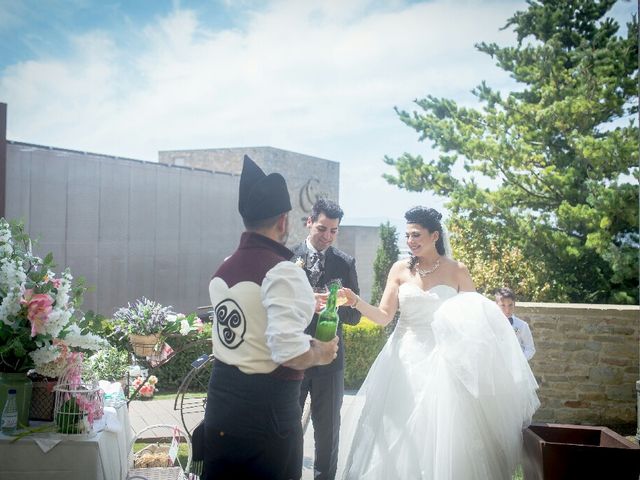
point(191, 399)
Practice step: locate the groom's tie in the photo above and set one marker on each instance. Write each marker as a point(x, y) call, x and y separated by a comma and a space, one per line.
point(316, 268)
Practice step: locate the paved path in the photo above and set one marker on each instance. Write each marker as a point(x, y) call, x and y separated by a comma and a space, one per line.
point(144, 413)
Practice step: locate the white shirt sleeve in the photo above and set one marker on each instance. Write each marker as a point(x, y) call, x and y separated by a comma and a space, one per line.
point(290, 303)
point(526, 339)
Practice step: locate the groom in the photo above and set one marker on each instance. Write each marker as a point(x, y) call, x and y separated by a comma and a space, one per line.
point(323, 263)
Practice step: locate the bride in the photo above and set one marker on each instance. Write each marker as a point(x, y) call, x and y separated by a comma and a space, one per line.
point(450, 392)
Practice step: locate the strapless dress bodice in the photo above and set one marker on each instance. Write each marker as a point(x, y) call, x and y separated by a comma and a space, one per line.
point(417, 306)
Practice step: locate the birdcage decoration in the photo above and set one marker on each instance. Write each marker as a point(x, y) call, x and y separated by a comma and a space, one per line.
point(77, 408)
point(78, 405)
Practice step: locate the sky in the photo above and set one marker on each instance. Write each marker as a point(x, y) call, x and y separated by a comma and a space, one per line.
point(133, 77)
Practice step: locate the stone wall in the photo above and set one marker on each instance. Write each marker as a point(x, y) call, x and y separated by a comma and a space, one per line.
point(307, 177)
point(586, 361)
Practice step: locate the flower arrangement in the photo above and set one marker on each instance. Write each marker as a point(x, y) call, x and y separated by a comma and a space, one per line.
point(39, 324)
point(148, 389)
point(146, 317)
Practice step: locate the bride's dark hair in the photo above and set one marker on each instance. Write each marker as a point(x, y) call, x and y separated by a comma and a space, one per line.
point(428, 218)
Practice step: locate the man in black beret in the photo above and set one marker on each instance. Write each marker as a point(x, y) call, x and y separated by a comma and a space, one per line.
point(262, 303)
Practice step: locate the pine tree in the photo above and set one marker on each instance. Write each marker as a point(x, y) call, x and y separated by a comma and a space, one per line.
point(561, 152)
point(386, 256)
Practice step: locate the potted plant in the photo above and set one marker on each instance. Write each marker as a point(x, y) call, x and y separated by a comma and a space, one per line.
point(147, 324)
point(40, 326)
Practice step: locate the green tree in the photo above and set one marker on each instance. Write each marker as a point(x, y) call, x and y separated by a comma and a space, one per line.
point(561, 154)
point(386, 256)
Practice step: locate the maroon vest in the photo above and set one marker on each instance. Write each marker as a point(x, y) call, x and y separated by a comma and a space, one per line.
point(255, 256)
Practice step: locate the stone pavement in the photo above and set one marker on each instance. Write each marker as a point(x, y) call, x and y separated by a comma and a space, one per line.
point(145, 413)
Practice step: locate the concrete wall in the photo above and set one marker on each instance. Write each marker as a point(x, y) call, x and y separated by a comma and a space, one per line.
point(134, 228)
point(307, 177)
point(130, 228)
point(586, 361)
point(361, 243)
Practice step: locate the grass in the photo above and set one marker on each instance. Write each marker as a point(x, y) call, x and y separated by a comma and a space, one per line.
point(172, 396)
point(518, 474)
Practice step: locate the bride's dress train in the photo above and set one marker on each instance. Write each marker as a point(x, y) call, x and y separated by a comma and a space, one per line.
point(447, 397)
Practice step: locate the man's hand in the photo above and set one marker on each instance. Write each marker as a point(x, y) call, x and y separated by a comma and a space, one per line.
point(326, 351)
point(320, 353)
point(321, 301)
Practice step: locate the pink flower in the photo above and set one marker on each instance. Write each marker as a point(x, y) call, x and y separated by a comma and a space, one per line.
point(56, 282)
point(39, 306)
point(147, 390)
point(199, 326)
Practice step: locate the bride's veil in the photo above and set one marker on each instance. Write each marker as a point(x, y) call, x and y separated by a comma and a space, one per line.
point(445, 241)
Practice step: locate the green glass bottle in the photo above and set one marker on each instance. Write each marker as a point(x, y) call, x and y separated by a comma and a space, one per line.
point(328, 317)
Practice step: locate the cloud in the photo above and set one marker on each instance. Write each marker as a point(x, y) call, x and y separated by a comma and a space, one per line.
point(320, 78)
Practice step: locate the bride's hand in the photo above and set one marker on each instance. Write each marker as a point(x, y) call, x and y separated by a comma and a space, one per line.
point(351, 296)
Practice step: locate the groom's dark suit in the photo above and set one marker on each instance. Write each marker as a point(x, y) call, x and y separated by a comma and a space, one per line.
point(326, 383)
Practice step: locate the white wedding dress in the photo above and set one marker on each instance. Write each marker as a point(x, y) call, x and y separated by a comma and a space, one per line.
point(447, 397)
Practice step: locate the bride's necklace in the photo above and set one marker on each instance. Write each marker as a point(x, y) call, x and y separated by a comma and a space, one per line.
point(424, 273)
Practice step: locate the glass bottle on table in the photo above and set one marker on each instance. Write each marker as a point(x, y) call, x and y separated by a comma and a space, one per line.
point(327, 325)
point(9, 419)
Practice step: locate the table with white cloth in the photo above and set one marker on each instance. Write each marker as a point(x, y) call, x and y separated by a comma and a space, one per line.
point(102, 456)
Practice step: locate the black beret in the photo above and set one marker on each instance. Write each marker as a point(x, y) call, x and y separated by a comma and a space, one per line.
point(261, 196)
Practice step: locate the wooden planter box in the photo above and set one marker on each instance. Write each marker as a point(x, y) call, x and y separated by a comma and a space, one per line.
point(556, 451)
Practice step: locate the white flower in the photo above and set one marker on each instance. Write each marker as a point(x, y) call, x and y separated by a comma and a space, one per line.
point(44, 355)
point(87, 341)
point(299, 262)
point(12, 278)
point(185, 328)
point(58, 320)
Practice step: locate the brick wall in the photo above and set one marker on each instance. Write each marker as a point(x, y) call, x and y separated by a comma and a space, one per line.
point(586, 361)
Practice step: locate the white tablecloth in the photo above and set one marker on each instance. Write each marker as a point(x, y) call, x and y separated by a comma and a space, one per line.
point(101, 457)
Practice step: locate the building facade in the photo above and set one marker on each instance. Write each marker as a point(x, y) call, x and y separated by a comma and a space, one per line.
point(132, 228)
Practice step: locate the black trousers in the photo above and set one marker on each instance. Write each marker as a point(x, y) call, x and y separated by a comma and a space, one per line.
point(252, 427)
point(326, 392)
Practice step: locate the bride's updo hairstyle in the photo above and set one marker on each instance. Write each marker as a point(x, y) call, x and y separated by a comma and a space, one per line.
point(428, 218)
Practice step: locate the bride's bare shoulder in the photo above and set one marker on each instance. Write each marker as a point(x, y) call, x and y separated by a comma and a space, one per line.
point(451, 263)
point(399, 270)
point(400, 265)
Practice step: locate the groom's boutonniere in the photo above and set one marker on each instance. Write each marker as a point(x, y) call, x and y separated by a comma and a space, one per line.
point(299, 262)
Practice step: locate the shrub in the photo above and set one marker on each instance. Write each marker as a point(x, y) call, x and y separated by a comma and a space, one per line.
point(107, 364)
point(362, 344)
point(173, 372)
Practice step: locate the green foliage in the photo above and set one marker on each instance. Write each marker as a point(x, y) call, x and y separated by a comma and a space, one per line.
point(362, 343)
point(170, 376)
point(107, 364)
point(386, 256)
point(69, 417)
point(561, 152)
